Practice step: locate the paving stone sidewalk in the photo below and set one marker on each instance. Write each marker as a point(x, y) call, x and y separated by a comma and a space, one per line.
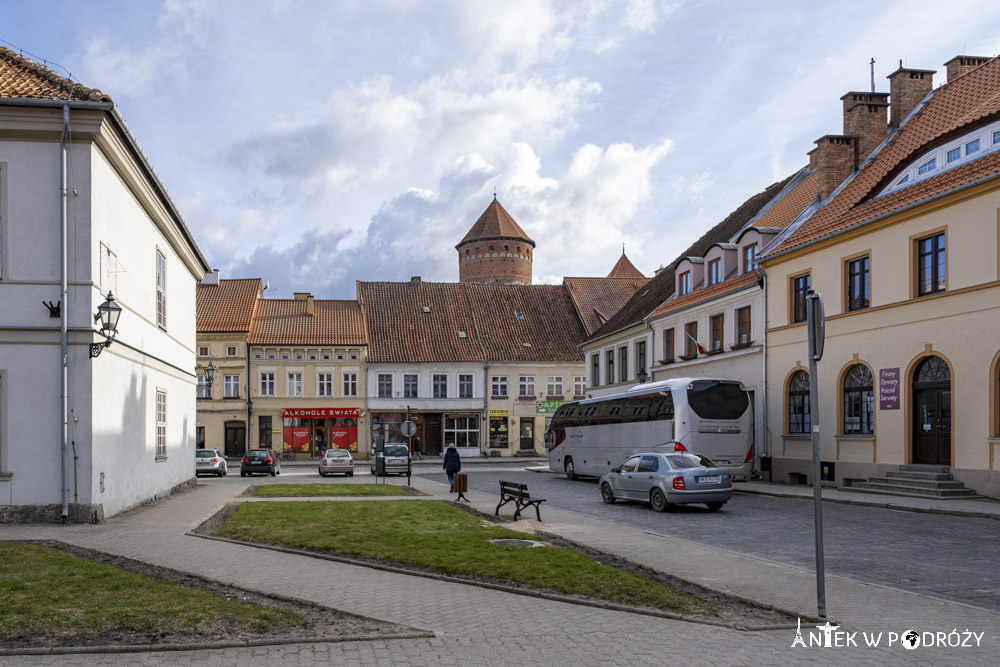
point(476, 626)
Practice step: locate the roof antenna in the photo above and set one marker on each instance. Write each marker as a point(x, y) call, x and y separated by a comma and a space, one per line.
point(623, 248)
point(872, 63)
point(494, 193)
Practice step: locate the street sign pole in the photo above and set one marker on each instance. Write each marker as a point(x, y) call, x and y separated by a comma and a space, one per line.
point(816, 324)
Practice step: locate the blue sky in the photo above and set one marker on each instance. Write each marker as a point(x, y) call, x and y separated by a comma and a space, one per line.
point(314, 143)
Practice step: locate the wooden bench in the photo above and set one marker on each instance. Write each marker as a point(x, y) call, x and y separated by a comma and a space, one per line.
point(518, 493)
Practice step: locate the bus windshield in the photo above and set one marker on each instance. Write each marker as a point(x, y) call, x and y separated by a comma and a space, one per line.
point(717, 400)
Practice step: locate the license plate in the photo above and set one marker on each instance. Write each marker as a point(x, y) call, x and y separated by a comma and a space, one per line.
point(709, 479)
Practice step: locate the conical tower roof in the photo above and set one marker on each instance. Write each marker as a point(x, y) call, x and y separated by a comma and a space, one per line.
point(625, 269)
point(495, 223)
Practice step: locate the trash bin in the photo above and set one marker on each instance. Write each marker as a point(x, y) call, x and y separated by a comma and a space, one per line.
point(461, 482)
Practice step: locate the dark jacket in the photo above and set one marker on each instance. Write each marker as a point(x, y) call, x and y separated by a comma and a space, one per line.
point(452, 461)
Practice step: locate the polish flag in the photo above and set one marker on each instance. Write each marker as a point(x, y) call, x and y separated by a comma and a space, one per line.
point(701, 350)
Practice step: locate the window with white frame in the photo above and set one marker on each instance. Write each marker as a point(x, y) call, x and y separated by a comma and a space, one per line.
point(526, 386)
point(161, 290)
point(232, 386)
point(579, 385)
point(161, 424)
point(385, 385)
point(684, 283)
point(324, 384)
point(204, 389)
point(411, 385)
point(203, 350)
point(499, 386)
point(440, 385)
point(350, 384)
point(554, 385)
point(231, 351)
point(715, 271)
point(465, 385)
point(294, 384)
point(267, 384)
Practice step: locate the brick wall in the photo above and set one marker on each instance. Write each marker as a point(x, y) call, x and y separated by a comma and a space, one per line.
point(834, 157)
point(865, 116)
point(961, 65)
point(496, 265)
point(906, 88)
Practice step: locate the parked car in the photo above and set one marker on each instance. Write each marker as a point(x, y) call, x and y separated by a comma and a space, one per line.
point(336, 460)
point(210, 461)
point(260, 460)
point(672, 478)
point(397, 459)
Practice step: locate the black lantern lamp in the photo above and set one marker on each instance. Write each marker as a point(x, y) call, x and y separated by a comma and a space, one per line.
point(210, 374)
point(642, 376)
point(107, 314)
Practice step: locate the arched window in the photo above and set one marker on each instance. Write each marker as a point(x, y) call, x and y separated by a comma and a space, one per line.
point(859, 401)
point(798, 403)
point(933, 369)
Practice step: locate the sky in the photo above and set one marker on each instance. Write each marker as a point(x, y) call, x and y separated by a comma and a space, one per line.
point(313, 143)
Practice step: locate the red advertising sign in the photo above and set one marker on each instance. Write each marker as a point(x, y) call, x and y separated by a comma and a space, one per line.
point(311, 413)
point(888, 389)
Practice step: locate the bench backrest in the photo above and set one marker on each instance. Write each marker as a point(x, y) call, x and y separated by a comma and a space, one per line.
point(513, 488)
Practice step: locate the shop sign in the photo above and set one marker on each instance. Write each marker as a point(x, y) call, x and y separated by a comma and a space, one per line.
point(499, 414)
point(888, 389)
point(310, 413)
point(547, 407)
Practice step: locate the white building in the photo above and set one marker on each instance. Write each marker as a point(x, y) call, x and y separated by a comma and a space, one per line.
point(83, 214)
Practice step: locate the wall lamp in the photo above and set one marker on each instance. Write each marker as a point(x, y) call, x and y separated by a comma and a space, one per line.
point(642, 376)
point(107, 314)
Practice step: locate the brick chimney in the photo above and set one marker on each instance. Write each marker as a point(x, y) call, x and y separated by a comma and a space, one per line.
point(308, 298)
point(865, 120)
point(962, 65)
point(833, 159)
point(906, 88)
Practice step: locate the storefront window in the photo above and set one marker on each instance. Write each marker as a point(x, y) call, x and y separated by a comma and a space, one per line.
point(461, 430)
point(498, 428)
point(387, 424)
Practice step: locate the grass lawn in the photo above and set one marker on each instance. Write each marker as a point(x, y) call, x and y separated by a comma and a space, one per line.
point(51, 594)
point(343, 489)
point(430, 534)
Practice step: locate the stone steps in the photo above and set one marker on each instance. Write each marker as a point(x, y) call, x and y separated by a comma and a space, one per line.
point(917, 481)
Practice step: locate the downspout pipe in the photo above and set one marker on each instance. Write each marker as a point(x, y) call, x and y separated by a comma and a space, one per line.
point(64, 312)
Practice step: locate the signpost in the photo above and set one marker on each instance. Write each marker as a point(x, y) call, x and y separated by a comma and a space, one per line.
point(816, 325)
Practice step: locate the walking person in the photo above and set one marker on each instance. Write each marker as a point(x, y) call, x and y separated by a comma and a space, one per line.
point(452, 465)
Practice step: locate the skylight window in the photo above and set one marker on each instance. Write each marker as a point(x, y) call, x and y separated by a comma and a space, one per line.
point(426, 309)
point(928, 166)
point(526, 344)
point(518, 314)
point(462, 334)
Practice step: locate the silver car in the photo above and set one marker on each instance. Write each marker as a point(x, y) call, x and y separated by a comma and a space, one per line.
point(336, 460)
point(673, 478)
point(397, 459)
point(210, 461)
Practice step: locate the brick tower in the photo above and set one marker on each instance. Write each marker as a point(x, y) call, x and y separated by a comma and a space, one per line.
point(496, 249)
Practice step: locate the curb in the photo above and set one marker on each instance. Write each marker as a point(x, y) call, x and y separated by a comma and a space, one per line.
point(974, 514)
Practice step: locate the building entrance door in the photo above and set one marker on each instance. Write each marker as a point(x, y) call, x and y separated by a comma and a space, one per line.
point(432, 434)
point(236, 438)
point(932, 413)
point(527, 434)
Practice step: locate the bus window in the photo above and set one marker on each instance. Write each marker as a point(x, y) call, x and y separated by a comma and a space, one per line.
point(717, 400)
point(663, 409)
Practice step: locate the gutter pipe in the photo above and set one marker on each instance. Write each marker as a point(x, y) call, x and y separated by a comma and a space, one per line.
point(63, 314)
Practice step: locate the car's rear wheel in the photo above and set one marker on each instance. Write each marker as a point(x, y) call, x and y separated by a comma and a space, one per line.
point(242, 474)
point(607, 495)
point(273, 473)
point(714, 507)
point(350, 474)
point(657, 500)
point(568, 467)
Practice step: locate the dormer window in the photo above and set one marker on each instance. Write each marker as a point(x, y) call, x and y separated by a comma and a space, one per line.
point(928, 166)
point(954, 154)
point(715, 272)
point(972, 147)
point(750, 257)
point(684, 283)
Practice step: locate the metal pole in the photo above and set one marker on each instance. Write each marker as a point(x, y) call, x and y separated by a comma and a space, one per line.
point(811, 316)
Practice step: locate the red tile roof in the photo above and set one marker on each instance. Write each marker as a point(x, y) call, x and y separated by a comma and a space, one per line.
point(228, 306)
point(548, 329)
point(495, 223)
point(786, 209)
point(21, 77)
point(400, 331)
point(285, 322)
point(625, 269)
point(952, 110)
point(598, 299)
point(661, 286)
point(705, 294)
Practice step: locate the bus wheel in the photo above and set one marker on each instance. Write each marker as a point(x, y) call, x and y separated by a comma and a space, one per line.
point(607, 495)
point(570, 471)
point(714, 507)
point(657, 500)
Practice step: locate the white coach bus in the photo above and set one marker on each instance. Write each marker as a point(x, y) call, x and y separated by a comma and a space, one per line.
point(710, 416)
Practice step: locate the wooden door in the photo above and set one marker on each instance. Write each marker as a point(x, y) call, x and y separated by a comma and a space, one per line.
point(932, 413)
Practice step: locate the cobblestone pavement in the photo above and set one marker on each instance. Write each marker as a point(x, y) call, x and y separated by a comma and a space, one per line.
point(476, 626)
